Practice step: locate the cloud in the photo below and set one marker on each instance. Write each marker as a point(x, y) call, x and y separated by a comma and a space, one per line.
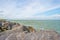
point(20, 9)
point(44, 17)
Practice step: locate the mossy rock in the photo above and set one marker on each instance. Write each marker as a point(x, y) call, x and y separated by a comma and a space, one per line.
point(31, 29)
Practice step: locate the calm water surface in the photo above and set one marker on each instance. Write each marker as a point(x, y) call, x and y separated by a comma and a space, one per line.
point(41, 24)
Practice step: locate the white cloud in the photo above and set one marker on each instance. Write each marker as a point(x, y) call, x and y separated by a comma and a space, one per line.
point(44, 17)
point(34, 8)
point(55, 16)
point(11, 11)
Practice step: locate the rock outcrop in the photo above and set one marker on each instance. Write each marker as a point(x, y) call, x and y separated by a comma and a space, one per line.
point(16, 31)
point(40, 35)
point(7, 25)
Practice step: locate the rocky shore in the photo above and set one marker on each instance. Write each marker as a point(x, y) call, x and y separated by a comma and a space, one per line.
point(15, 31)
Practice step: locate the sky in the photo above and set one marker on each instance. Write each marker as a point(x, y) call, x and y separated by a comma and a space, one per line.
point(30, 9)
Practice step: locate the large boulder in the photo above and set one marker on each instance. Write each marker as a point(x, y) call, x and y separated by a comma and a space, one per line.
point(41, 35)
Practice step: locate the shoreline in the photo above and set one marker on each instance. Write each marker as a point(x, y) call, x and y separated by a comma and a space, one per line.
point(22, 32)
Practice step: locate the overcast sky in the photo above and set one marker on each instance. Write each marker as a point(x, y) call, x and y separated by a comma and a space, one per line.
point(30, 9)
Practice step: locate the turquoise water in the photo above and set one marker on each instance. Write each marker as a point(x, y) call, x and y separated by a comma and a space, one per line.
point(41, 24)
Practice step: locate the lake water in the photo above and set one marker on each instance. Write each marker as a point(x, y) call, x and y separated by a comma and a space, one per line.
point(41, 24)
